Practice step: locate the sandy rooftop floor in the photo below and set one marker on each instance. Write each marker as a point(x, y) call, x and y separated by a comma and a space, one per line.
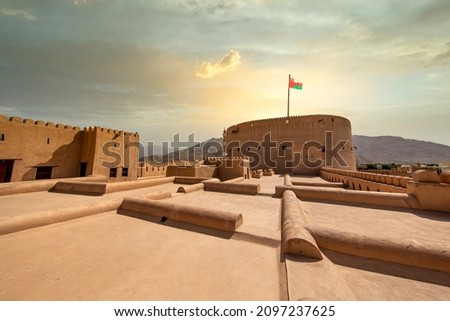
point(115, 256)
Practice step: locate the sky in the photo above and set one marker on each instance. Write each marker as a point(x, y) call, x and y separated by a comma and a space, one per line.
point(199, 66)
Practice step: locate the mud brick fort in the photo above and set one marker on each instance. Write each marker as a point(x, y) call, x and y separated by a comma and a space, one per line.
point(283, 214)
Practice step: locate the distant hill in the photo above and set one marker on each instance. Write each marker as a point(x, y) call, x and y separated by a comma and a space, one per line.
point(378, 149)
point(210, 148)
point(398, 150)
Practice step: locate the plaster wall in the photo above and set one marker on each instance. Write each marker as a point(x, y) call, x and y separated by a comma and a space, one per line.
point(37, 143)
point(106, 149)
point(32, 144)
point(234, 168)
point(193, 171)
point(147, 169)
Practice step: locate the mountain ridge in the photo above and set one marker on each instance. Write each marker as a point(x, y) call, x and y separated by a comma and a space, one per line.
point(369, 149)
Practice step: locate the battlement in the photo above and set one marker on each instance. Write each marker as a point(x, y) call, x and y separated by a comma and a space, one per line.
point(297, 119)
point(109, 130)
point(31, 122)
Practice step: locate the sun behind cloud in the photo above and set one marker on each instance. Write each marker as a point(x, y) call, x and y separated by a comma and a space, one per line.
point(208, 70)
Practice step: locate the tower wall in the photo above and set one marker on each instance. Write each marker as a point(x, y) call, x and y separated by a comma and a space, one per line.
point(297, 144)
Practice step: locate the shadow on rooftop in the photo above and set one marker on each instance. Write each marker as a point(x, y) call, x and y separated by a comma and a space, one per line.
point(430, 215)
point(388, 268)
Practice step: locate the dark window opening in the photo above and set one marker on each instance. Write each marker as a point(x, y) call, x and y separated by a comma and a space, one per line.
point(48, 141)
point(83, 169)
point(44, 172)
point(323, 149)
point(6, 167)
point(124, 171)
point(2, 137)
point(113, 172)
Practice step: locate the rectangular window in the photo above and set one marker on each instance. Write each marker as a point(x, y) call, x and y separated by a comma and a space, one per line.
point(44, 172)
point(6, 167)
point(124, 171)
point(83, 169)
point(2, 137)
point(113, 172)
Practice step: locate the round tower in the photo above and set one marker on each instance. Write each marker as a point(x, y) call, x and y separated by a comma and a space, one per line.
point(296, 144)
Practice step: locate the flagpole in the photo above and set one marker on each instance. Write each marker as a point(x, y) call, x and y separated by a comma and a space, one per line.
point(289, 87)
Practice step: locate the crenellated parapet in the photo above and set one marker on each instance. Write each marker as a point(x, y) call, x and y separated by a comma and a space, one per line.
point(110, 131)
point(41, 123)
point(357, 180)
point(219, 160)
point(291, 120)
point(37, 123)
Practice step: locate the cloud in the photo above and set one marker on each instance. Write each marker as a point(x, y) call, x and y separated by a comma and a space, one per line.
point(441, 57)
point(86, 2)
point(209, 6)
point(25, 13)
point(230, 62)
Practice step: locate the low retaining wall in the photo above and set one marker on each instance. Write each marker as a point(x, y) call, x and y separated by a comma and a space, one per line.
point(195, 187)
point(431, 190)
point(158, 195)
point(43, 185)
point(366, 181)
point(190, 188)
point(127, 185)
point(317, 184)
point(189, 180)
point(346, 196)
point(296, 239)
point(234, 188)
point(24, 222)
point(235, 180)
point(287, 180)
point(95, 188)
point(91, 188)
point(417, 255)
point(220, 220)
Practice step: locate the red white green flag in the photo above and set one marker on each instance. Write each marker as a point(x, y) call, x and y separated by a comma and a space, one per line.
point(295, 85)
